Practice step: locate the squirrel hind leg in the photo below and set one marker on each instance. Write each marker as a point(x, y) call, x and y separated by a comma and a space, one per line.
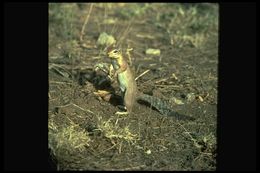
point(129, 106)
point(129, 99)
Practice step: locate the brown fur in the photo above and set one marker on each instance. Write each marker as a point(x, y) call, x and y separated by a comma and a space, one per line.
point(131, 91)
point(131, 88)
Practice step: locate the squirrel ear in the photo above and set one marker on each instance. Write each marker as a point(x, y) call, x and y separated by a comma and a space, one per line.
point(110, 47)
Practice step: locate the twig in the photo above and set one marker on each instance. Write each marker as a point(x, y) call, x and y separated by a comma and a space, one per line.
point(161, 127)
point(85, 22)
point(202, 153)
point(82, 108)
point(59, 71)
point(144, 36)
point(62, 106)
point(108, 73)
point(194, 140)
point(142, 74)
point(57, 82)
point(133, 168)
point(127, 30)
point(106, 150)
point(76, 106)
point(161, 80)
point(173, 86)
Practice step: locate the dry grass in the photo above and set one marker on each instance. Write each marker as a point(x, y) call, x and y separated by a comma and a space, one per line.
point(111, 129)
point(69, 138)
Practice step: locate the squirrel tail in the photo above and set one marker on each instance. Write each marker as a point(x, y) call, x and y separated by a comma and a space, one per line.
point(163, 107)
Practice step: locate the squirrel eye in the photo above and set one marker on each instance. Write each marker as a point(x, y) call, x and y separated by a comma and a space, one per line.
point(115, 51)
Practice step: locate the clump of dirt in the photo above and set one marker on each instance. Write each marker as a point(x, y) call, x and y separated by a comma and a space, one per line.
point(84, 131)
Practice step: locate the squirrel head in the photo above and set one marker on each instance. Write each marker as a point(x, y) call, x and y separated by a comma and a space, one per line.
point(114, 53)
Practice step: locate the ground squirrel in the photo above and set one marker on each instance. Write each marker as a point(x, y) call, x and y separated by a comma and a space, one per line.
point(129, 90)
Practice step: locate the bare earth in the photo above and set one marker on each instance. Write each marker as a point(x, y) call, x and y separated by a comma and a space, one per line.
point(85, 133)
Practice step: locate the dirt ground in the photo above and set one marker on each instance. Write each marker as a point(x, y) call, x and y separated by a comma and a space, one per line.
point(84, 131)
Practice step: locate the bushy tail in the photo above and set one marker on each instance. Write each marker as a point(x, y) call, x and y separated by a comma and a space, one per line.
point(163, 107)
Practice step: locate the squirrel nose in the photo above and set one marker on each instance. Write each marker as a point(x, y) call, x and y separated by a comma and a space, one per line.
point(109, 54)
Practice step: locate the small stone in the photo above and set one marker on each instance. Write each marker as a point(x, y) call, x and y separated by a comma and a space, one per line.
point(200, 98)
point(153, 52)
point(148, 152)
point(105, 40)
